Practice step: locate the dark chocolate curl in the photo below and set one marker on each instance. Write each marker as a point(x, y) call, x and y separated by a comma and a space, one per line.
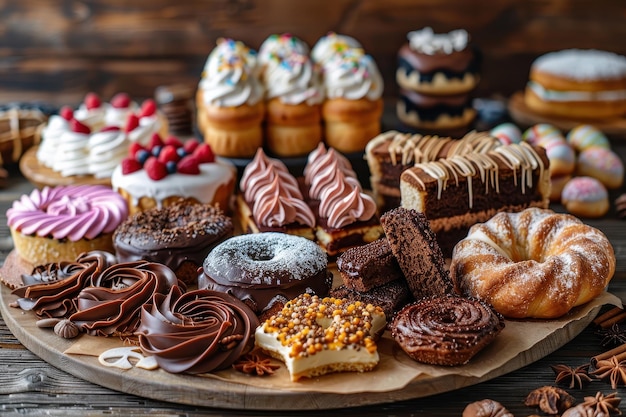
point(196, 332)
point(56, 298)
point(112, 304)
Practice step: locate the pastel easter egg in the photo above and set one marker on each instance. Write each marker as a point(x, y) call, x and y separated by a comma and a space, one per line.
point(585, 197)
point(586, 136)
point(507, 133)
point(533, 133)
point(562, 156)
point(602, 164)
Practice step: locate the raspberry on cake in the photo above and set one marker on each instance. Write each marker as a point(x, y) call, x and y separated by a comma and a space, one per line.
point(315, 336)
point(165, 171)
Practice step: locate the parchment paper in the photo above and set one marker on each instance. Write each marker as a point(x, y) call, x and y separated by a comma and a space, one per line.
point(395, 369)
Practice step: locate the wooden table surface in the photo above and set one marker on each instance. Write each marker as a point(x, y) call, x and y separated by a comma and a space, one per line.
point(30, 386)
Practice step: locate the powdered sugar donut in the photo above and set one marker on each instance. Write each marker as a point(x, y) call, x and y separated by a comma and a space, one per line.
point(586, 136)
point(536, 132)
point(602, 164)
point(507, 133)
point(265, 270)
point(585, 197)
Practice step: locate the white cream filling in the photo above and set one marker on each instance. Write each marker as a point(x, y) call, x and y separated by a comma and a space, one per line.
point(557, 95)
point(298, 365)
point(301, 365)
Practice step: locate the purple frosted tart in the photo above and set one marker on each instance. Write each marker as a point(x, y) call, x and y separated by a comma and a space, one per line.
point(58, 224)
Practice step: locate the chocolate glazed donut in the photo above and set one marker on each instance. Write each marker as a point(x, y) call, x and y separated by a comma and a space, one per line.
point(196, 332)
point(445, 330)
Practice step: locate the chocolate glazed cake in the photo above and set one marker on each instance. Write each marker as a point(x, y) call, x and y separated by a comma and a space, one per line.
point(455, 193)
point(179, 236)
point(391, 153)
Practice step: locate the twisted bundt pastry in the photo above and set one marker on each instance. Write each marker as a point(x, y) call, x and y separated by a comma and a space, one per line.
point(535, 263)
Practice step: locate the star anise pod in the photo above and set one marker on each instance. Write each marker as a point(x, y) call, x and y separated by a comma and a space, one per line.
point(600, 405)
point(575, 377)
point(255, 364)
point(613, 336)
point(613, 370)
point(550, 400)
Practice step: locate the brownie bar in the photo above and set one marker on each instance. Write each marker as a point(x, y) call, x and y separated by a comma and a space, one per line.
point(365, 267)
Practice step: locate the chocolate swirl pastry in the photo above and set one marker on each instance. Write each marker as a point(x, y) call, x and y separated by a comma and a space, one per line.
point(100, 296)
point(196, 332)
point(111, 305)
point(51, 289)
point(445, 330)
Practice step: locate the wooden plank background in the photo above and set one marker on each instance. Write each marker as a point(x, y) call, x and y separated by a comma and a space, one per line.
point(56, 51)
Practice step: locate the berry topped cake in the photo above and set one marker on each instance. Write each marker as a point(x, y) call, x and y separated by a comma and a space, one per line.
point(164, 171)
point(91, 140)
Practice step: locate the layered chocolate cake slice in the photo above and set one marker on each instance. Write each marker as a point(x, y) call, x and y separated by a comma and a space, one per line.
point(391, 153)
point(345, 215)
point(455, 193)
point(326, 205)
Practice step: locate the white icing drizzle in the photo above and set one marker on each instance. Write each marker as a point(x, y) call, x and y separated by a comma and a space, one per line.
point(424, 148)
point(558, 95)
point(520, 158)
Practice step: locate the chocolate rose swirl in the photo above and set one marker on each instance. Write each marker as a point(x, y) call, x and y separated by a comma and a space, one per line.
point(111, 305)
point(445, 330)
point(52, 289)
point(196, 332)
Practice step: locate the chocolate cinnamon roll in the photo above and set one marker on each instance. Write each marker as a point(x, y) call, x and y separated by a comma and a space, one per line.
point(445, 330)
point(197, 331)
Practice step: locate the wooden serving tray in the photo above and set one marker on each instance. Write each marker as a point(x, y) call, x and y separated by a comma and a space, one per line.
point(525, 117)
point(203, 391)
